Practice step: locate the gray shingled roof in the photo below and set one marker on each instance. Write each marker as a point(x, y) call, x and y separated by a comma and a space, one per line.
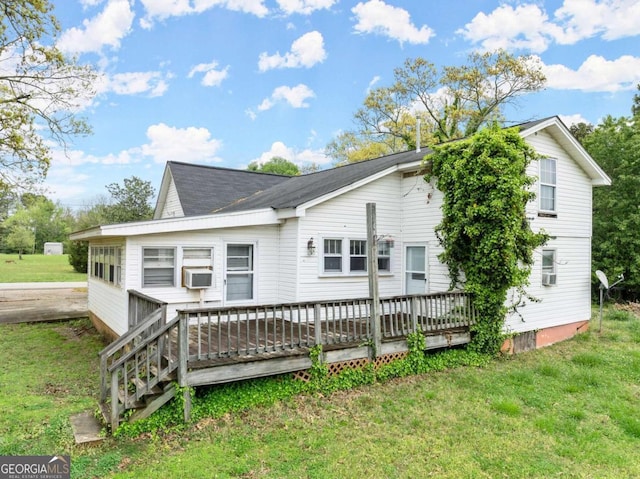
point(300, 189)
point(203, 189)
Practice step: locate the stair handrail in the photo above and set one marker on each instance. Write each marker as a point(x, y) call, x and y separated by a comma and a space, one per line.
point(143, 344)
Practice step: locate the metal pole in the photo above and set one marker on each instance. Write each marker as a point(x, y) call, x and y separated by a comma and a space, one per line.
point(601, 298)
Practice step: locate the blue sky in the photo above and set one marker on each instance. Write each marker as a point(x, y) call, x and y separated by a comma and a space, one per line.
point(227, 82)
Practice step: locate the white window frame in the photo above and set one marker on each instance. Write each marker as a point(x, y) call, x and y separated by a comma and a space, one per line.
point(144, 267)
point(346, 254)
point(357, 251)
point(385, 254)
point(549, 272)
point(105, 264)
point(332, 253)
point(546, 184)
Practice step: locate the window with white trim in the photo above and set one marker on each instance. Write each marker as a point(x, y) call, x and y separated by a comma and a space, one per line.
point(332, 255)
point(548, 184)
point(158, 267)
point(384, 256)
point(106, 264)
point(357, 256)
point(549, 273)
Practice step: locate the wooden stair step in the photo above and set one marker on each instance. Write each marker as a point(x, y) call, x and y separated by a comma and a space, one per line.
point(132, 402)
point(142, 384)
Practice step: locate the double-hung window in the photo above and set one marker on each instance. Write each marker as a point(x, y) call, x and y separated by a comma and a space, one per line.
point(357, 256)
point(332, 255)
point(384, 256)
point(548, 185)
point(158, 267)
point(337, 259)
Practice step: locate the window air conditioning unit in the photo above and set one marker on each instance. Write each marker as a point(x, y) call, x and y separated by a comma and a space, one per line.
point(198, 278)
point(548, 279)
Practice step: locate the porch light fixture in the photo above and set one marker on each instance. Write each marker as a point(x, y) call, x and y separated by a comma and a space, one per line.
point(311, 249)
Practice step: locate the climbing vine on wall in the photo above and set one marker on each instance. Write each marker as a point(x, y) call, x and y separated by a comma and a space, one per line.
point(488, 243)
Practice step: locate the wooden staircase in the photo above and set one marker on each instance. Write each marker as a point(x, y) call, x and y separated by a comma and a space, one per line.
point(139, 370)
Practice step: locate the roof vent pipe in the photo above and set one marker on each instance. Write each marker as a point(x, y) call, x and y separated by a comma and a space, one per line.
point(417, 135)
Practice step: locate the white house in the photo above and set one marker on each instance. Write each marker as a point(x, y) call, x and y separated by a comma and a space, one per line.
point(224, 237)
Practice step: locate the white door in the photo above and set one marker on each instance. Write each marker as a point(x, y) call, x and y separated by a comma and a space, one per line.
point(415, 270)
point(239, 273)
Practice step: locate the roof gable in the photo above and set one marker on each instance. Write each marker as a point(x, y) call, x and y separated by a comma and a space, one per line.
point(205, 189)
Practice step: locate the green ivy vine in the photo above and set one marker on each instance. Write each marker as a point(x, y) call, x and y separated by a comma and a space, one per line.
point(487, 240)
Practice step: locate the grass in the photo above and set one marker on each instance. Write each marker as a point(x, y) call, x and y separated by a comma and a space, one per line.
point(570, 410)
point(37, 268)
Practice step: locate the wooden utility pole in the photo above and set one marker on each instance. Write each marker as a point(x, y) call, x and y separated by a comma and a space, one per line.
point(372, 269)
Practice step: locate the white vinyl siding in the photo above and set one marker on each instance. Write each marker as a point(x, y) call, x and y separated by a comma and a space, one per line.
point(172, 206)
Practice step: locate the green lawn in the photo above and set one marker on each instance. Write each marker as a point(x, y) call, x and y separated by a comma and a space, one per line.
point(571, 410)
point(37, 268)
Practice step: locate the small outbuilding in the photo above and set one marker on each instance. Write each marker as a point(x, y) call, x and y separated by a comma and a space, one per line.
point(51, 248)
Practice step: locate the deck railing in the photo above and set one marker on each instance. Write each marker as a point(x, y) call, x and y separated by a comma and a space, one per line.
point(149, 353)
point(140, 306)
point(217, 333)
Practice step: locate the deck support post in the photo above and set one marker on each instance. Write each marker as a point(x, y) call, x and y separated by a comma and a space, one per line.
point(372, 268)
point(115, 413)
point(414, 314)
point(317, 323)
point(183, 357)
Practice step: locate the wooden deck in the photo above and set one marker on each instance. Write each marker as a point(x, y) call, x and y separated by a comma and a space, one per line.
point(217, 345)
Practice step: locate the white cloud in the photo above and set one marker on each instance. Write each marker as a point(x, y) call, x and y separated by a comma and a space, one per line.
point(304, 7)
point(372, 83)
point(163, 9)
point(596, 74)
point(573, 119)
point(107, 28)
point(306, 51)
point(375, 16)
point(299, 157)
point(295, 96)
point(528, 27)
point(212, 77)
point(152, 83)
point(184, 144)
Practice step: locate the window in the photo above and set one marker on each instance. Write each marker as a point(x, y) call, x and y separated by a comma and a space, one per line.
point(357, 256)
point(240, 272)
point(548, 184)
point(332, 255)
point(194, 253)
point(106, 264)
point(549, 274)
point(158, 267)
point(384, 256)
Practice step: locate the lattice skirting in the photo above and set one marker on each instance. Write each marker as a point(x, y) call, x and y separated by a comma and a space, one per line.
point(337, 368)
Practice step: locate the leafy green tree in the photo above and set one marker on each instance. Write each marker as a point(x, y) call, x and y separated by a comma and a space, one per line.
point(276, 165)
point(615, 145)
point(40, 91)
point(21, 239)
point(130, 201)
point(635, 108)
point(487, 241)
point(453, 102)
point(581, 131)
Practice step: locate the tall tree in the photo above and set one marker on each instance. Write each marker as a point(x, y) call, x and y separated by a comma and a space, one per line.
point(615, 145)
point(581, 131)
point(40, 92)
point(276, 165)
point(453, 102)
point(130, 201)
